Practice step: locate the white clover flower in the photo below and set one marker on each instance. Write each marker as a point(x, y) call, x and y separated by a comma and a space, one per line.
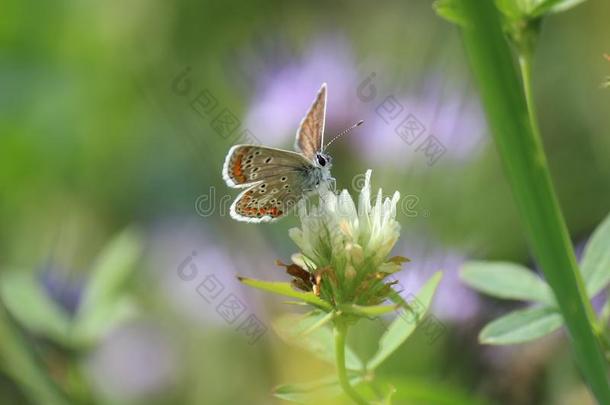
point(350, 244)
point(335, 229)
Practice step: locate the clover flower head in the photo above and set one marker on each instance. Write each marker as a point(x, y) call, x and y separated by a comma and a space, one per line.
point(346, 247)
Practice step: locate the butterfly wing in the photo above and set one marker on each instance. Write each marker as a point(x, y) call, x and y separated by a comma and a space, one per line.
point(249, 164)
point(310, 134)
point(271, 198)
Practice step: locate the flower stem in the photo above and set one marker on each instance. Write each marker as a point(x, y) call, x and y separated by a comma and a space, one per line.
point(340, 336)
point(525, 65)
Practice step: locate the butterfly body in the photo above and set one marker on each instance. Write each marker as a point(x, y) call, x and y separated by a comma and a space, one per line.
point(276, 179)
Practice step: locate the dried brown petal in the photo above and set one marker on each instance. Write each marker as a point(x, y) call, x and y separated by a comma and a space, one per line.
point(303, 279)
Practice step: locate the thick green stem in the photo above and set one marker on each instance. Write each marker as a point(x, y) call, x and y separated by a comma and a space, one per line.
point(340, 336)
point(525, 64)
point(513, 124)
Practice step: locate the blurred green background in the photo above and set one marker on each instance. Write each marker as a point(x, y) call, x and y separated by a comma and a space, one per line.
point(109, 121)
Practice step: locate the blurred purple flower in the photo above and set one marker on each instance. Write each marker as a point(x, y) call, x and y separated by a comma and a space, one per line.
point(63, 289)
point(284, 93)
point(196, 273)
point(453, 301)
point(134, 362)
point(453, 117)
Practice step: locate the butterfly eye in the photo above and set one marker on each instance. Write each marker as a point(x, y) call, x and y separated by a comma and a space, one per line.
point(321, 160)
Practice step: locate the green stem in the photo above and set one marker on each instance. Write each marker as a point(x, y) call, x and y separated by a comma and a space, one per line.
point(525, 64)
point(340, 336)
point(20, 363)
point(513, 124)
point(605, 315)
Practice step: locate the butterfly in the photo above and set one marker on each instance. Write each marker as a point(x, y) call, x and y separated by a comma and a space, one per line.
point(275, 179)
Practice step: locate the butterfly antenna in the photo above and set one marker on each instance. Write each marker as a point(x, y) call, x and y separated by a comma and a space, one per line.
point(344, 132)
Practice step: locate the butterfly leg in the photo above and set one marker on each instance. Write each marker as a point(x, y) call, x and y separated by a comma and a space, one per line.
point(333, 184)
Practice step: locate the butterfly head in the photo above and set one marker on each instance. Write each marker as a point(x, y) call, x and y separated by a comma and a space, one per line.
point(323, 160)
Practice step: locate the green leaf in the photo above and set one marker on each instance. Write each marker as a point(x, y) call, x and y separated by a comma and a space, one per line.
point(105, 286)
point(323, 320)
point(297, 330)
point(506, 280)
point(387, 398)
point(287, 290)
point(100, 322)
point(311, 392)
point(524, 9)
point(513, 9)
point(596, 259)
point(369, 311)
point(530, 9)
point(20, 363)
point(297, 303)
point(555, 6)
point(26, 300)
point(402, 327)
point(113, 267)
point(521, 326)
point(450, 11)
point(413, 390)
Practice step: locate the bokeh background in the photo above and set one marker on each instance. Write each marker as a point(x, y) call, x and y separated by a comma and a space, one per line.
point(109, 121)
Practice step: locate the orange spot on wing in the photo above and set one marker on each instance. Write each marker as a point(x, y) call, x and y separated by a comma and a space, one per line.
point(236, 169)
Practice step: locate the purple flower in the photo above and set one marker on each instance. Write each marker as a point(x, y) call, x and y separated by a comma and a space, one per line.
point(134, 362)
point(197, 274)
point(63, 289)
point(453, 301)
point(453, 117)
point(285, 93)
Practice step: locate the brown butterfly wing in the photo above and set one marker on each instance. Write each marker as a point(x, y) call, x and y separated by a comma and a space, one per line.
point(249, 164)
point(269, 199)
point(311, 131)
